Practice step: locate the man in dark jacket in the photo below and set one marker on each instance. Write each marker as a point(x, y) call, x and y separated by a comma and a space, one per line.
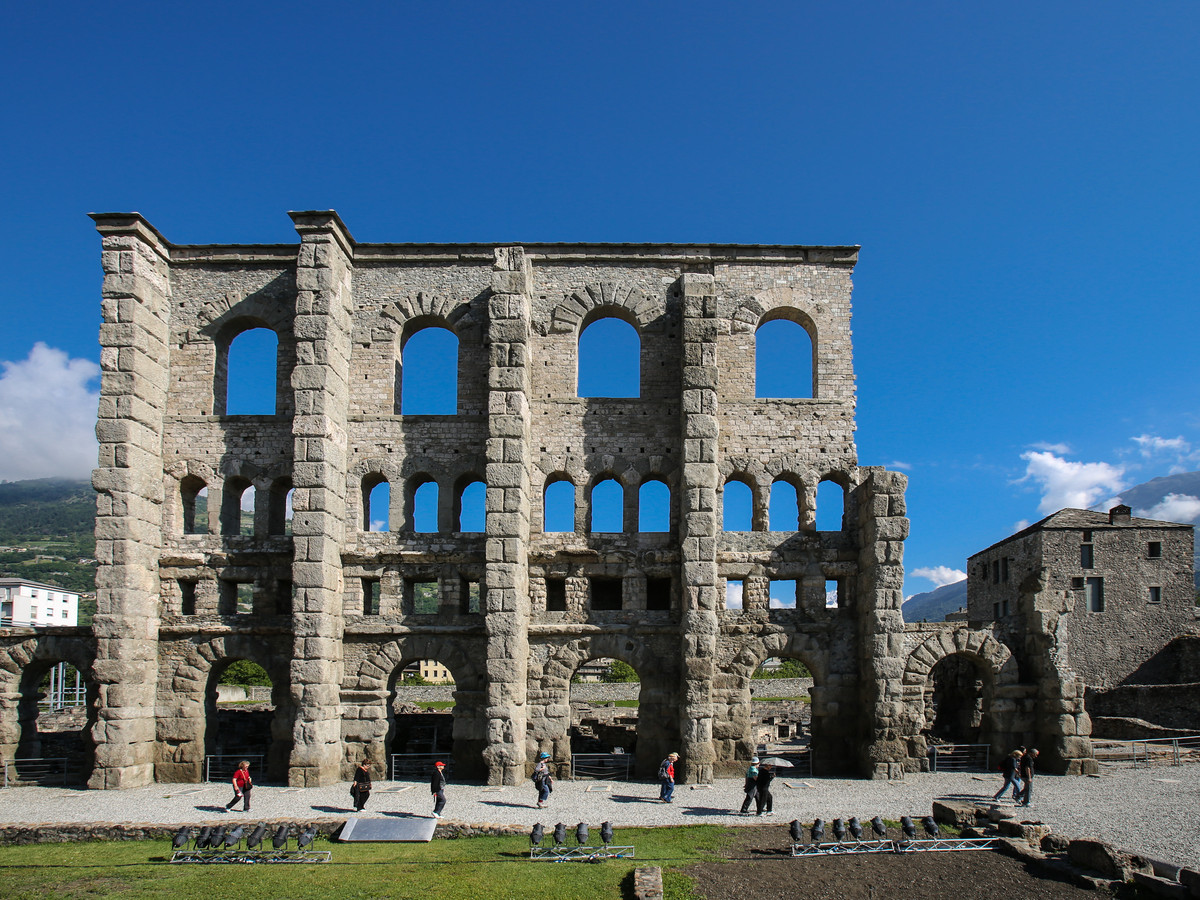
point(361, 788)
point(666, 778)
point(1027, 766)
point(764, 801)
point(437, 787)
point(1010, 769)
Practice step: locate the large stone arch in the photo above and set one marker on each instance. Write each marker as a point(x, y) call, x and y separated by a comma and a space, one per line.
point(625, 301)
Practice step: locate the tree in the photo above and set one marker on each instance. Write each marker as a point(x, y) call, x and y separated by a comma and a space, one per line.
point(787, 668)
point(619, 673)
point(246, 673)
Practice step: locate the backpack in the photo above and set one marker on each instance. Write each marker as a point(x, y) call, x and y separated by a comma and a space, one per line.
point(664, 771)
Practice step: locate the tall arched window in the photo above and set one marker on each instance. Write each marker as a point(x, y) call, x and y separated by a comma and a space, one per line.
point(251, 373)
point(429, 373)
point(608, 500)
point(831, 506)
point(737, 506)
point(237, 507)
point(558, 510)
point(783, 360)
point(609, 359)
point(654, 507)
point(193, 493)
point(425, 507)
point(784, 511)
point(279, 513)
point(470, 512)
point(377, 502)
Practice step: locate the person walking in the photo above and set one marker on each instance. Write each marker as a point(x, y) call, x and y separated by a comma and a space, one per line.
point(751, 785)
point(1028, 763)
point(666, 778)
point(764, 799)
point(437, 787)
point(1010, 769)
point(360, 788)
point(542, 779)
point(242, 783)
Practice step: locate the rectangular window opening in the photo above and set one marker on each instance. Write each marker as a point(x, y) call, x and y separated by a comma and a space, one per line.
point(245, 598)
point(556, 595)
point(606, 593)
point(1004, 570)
point(782, 593)
point(734, 590)
point(187, 597)
point(1087, 537)
point(833, 593)
point(423, 597)
point(995, 610)
point(995, 571)
point(1154, 549)
point(658, 593)
point(1155, 595)
point(1095, 594)
point(284, 590)
point(471, 598)
point(371, 589)
point(1087, 558)
point(1077, 584)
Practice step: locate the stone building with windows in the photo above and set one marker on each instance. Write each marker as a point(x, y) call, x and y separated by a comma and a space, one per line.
point(1124, 587)
point(382, 533)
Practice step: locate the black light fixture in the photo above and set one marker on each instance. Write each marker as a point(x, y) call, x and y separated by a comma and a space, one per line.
point(560, 834)
point(281, 838)
point(839, 830)
point(817, 832)
point(233, 838)
point(581, 833)
point(256, 836)
point(217, 837)
point(856, 828)
point(797, 831)
point(307, 837)
point(606, 833)
point(878, 827)
point(182, 836)
point(907, 826)
point(205, 834)
point(931, 826)
point(537, 835)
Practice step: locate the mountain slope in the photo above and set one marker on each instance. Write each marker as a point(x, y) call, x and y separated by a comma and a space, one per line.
point(933, 606)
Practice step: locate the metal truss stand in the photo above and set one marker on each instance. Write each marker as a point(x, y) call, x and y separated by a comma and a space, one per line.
point(936, 846)
point(563, 853)
point(251, 856)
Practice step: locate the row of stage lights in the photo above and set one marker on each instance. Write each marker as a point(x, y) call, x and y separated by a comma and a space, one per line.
point(223, 838)
point(854, 828)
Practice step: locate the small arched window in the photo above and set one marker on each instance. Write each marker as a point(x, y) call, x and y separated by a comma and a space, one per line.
point(784, 512)
point(251, 373)
point(237, 507)
point(609, 359)
point(279, 513)
point(193, 494)
point(608, 500)
point(470, 512)
point(831, 506)
point(429, 373)
point(558, 509)
point(654, 507)
point(425, 507)
point(377, 503)
point(783, 360)
point(737, 506)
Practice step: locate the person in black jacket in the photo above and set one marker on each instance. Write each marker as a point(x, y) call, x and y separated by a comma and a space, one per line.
point(361, 787)
point(1027, 766)
point(764, 801)
point(1009, 769)
point(437, 787)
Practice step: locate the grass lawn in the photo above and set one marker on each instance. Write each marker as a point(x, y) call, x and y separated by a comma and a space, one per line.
point(462, 869)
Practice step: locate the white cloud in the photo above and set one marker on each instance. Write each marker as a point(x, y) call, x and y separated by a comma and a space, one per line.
point(733, 595)
point(1150, 444)
point(1059, 449)
point(1020, 525)
point(902, 466)
point(1174, 508)
point(1066, 483)
point(940, 575)
point(47, 416)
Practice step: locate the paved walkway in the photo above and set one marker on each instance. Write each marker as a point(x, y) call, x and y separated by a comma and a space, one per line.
point(1155, 811)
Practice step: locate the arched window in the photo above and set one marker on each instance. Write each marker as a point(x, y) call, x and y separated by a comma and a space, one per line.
point(470, 512)
point(425, 507)
point(831, 506)
point(193, 493)
point(737, 506)
point(429, 373)
point(654, 507)
point(377, 503)
point(558, 510)
point(607, 507)
point(784, 511)
point(609, 360)
point(251, 373)
point(783, 360)
point(237, 507)
point(279, 514)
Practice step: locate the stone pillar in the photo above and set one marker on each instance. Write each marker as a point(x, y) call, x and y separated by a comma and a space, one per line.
point(507, 517)
point(129, 484)
point(320, 382)
point(882, 528)
point(698, 526)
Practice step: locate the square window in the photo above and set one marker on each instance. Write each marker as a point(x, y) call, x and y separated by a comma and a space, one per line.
point(1156, 595)
point(1154, 549)
point(1087, 536)
point(422, 597)
point(371, 591)
point(556, 595)
point(1077, 584)
point(658, 593)
point(783, 593)
point(606, 593)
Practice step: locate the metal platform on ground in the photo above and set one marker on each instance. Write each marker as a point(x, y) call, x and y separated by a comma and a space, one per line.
point(563, 853)
point(414, 829)
point(940, 845)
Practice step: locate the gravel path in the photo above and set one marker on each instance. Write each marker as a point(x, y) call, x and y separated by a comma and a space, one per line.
point(1155, 811)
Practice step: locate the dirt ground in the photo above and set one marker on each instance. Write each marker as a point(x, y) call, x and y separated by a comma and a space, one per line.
point(760, 867)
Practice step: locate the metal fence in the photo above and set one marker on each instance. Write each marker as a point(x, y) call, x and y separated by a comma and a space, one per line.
point(56, 770)
point(220, 767)
point(418, 765)
point(959, 757)
point(801, 762)
point(1149, 752)
point(602, 766)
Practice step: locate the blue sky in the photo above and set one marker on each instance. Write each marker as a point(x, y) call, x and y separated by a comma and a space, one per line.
point(1022, 178)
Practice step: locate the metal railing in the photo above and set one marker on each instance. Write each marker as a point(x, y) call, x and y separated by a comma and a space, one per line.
point(801, 761)
point(36, 771)
point(1147, 752)
point(418, 765)
point(602, 766)
point(220, 767)
point(959, 757)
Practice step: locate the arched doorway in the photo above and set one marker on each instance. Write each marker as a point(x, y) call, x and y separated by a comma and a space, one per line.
point(605, 699)
point(422, 701)
point(957, 701)
point(246, 716)
point(781, 715)
point(56, 711)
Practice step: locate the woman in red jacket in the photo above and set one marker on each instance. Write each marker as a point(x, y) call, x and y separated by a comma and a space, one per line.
point(241, 786)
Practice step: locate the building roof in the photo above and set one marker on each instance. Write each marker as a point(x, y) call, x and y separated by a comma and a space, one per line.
point(1076, 520)
point(12, 582)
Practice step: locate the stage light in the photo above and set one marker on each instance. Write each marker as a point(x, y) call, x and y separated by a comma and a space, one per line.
point(839, 830)
point(537, 835)
point(234, 837)
point(797, 831)
point(581, 833)
point(910, 830)
point(856, 828)
point(281, 838)
point(182, 836)
point(306, 837)
point(256, 836)
point(817, 832)
point(560, 834)
point(931, 827)
point(217, 838)
point(205, 834)
point(878, 827)
point(606, 833)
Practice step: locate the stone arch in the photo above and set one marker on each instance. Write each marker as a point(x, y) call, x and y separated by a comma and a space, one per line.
point(182, 483)
point(585, 304)
point(793, 303)
point(404, 316)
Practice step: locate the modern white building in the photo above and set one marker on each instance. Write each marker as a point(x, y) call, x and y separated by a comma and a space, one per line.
point(36, 605)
